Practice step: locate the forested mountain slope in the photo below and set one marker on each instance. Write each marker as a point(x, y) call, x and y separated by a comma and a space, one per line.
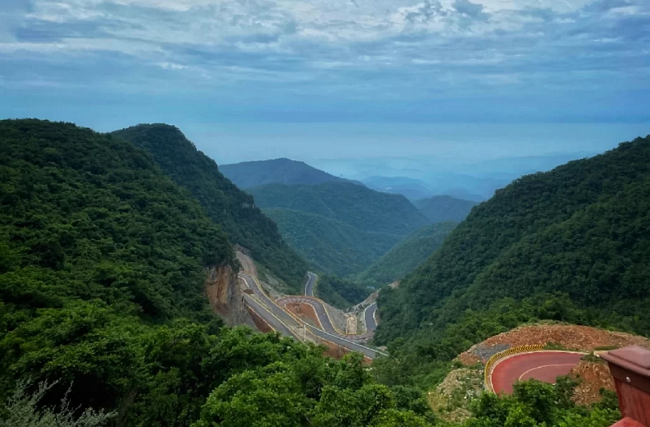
point(329, 245)
point(102, 268)
point(93, 237)
point(226, 204)
point(407, 255)
point(444, 208)
point(276, 171)
point(580, 230)
point(353, 204)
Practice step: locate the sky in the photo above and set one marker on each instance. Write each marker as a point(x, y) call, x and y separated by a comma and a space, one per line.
point(251, 79)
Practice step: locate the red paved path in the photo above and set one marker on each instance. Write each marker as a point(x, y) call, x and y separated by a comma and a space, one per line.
point(542, 365)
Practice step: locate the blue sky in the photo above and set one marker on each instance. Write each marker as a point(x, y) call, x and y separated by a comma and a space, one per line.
point(236, 67)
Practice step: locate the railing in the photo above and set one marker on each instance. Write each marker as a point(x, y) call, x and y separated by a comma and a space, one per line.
point(630, 367)
point(509, 352)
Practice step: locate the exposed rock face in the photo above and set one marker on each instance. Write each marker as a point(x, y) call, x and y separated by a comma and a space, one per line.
point(225, 296)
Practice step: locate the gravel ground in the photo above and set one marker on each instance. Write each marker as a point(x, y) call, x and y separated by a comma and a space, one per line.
point(484, 352)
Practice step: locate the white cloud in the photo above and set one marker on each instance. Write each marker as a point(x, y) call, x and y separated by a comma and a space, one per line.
point(336, 43)
point(171, 66)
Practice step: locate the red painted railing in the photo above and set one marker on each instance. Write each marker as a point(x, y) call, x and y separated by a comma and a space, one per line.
point(630, 367)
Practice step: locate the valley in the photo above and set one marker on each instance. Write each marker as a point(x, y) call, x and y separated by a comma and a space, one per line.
point(358, 213)
point(134, 245)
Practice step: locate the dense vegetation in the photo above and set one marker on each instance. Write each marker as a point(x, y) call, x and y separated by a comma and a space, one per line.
point(96, 242)
point(573, 240)
point(407, 255)
point(102, 264)
point(102, 267)
point(537, 404)
point(228, 206)
point(330, 245)
point(444, 208)
point(360, 207)
point(341, 293)
point(276, 171)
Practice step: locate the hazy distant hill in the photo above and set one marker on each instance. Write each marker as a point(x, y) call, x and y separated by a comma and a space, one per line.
point(226, 204)
point(444, 208)
point(571, 244)
point(330, 245)
point(352, 204)
point(277, 171)
point(413, 189)
point(407, 255)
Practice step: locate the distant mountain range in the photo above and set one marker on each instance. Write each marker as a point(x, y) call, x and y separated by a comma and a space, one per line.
point(352, 204)
point(328, 244)
point(276, 171)
point(411, 188)
point(339, 227)
point(444, 208)
point(422, 177)
point(571, 245)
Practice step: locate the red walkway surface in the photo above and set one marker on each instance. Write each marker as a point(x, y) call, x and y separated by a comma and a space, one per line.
point(541, 365)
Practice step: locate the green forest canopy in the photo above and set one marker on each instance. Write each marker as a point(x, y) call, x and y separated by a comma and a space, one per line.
point(358, 206)
point(102, 264)
point(407, 255)
point(444, 208)
point(330, 245)
point(568, 245)
point(101, 280)
point(226, 204)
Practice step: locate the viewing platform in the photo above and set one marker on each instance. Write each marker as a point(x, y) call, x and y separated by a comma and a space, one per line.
point(630, 367)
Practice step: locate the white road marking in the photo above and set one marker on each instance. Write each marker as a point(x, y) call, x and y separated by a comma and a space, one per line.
point(545, 366)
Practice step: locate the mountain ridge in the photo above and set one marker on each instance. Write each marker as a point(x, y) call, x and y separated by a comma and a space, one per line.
point(444, 208)
point(355, 205)
point(406, 255)
point(277, 171)
point(225, 203)
point(571, 231)
point(330, 245)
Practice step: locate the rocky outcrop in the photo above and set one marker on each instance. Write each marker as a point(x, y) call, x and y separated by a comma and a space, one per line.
point(226, 297)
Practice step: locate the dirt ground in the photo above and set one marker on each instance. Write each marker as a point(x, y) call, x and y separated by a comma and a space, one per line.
point(593, 376)
point(569, 337)
point(305, 312)
point(261, 325)
point(351, 323)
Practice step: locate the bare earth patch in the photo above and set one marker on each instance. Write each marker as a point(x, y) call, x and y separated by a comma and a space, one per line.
point(593, 376)
point(451, 399)
point(570, 337)
point(305, 312)
point(454, 393)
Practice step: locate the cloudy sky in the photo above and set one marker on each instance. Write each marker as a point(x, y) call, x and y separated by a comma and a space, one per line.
point(230, 69)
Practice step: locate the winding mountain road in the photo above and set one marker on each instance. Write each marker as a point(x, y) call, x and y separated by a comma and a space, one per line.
point(309, 287)
point(541, 365)
point(286, 324)
point(369, 316)
point(268, 317)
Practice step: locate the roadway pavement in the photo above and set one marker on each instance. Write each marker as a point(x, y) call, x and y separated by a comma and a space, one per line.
point(271, 306)
point(286, 324)
point(271, 320)
point(369, 316)
point(540, 365)
point(309, 287)
point(367, 351)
